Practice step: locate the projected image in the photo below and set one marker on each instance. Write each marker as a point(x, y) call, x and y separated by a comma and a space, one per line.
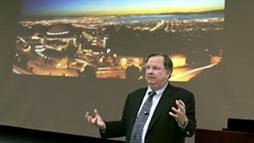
point(111, 38)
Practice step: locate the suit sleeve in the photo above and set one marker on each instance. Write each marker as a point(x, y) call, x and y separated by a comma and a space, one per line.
point(113, 129)
point(190, 112)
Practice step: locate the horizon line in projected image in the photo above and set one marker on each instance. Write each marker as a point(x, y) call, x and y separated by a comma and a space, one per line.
point(110, 39)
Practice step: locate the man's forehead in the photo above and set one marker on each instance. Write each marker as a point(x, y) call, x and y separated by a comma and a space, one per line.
point(155, 64)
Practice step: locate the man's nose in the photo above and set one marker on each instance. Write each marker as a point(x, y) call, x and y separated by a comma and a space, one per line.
point(149, 70)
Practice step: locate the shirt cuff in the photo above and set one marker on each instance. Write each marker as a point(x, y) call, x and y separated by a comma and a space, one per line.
point(182, 126)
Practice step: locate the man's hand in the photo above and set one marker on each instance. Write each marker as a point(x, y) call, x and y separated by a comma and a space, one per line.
point(180, 113)
point(95, 120)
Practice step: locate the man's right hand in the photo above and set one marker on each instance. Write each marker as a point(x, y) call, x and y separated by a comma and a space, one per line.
point(95, 120)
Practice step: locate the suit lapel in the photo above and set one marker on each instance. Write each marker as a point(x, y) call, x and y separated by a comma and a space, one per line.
point(163, 104)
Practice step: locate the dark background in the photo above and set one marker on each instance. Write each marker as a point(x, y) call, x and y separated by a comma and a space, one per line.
point(59, 104)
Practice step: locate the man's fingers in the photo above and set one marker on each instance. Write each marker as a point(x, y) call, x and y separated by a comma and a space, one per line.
point(94, 120)
point(90, 118)
point(173, 114)
point(87, 114)
point(180, 104)
point(96, 114)
point(177, 111)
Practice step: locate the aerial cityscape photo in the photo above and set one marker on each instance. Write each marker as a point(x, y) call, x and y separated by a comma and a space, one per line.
point(110, 39)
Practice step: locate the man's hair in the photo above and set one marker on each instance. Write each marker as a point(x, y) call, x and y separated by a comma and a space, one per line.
point(168, 64)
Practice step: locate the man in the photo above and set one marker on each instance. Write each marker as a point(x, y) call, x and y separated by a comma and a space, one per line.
point(169, 118)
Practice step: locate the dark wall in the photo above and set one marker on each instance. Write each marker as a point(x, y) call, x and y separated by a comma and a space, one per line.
point(8, 14)
point(217, 99)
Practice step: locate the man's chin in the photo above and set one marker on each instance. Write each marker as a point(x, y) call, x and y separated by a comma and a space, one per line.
point(150, 83)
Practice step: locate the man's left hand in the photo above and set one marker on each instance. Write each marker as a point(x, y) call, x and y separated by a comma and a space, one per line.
point(179, 113)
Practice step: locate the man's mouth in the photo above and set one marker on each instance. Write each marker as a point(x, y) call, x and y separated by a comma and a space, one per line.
point(150, 78)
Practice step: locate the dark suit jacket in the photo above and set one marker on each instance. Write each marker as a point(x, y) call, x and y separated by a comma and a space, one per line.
point(162, 128)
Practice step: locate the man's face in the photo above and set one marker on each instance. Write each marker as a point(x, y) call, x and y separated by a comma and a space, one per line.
point(156, 74)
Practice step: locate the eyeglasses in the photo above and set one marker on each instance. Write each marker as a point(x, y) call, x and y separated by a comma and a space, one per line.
point(153, 68)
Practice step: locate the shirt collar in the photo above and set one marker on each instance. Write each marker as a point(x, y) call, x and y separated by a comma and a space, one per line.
point(159, 91)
